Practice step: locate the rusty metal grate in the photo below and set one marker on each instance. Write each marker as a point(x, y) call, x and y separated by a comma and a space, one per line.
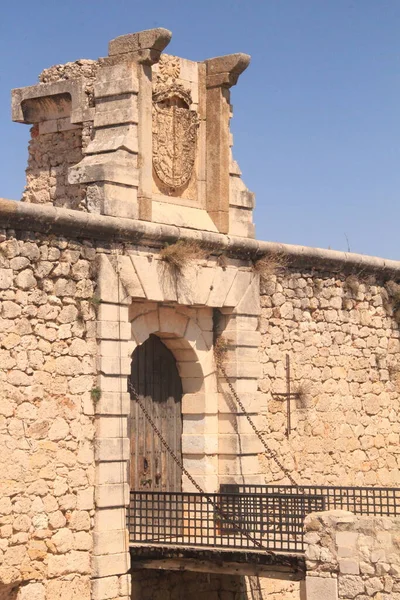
point(232, 521)
point(358, 500)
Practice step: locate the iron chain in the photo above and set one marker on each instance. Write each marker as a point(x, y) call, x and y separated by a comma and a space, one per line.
point(180, 464)
point(270, 453)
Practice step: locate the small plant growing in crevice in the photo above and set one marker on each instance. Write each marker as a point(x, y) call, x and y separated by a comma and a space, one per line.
point(269, 265)
point(95, 300)
point(394, 371)
point(318, 286)
point(182, 253)
point(80, 318)
point(393, 292)
point(220, 349)
point(222, 261)
point(352, 284)
point(95, 394)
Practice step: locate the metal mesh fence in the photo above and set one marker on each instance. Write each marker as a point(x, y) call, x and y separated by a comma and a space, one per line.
point(358, 500)
point(233, 521)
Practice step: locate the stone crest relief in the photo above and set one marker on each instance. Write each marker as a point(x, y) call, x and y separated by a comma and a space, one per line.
point(174, 127)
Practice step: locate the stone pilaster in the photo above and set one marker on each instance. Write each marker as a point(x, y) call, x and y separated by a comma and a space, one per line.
point(221, 74)
point(238, 446)
point(118, 160)
point(110, 562)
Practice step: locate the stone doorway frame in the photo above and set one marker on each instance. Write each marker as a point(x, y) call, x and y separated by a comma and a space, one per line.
point(137, 299)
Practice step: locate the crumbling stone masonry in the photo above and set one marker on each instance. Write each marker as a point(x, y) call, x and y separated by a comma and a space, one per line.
point(130, 160)
point(352, 557)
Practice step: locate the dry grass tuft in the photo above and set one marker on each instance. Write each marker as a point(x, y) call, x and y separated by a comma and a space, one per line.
point(352, 284)
point(318, 286)
point(393, 290)
point(182, 253)
point(393, 370)
point(269, 265)
point(222, 261)
point(220, 349)
point(304, 392)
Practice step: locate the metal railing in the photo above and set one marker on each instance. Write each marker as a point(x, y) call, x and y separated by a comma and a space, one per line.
point(248, 521)
point(358, 500)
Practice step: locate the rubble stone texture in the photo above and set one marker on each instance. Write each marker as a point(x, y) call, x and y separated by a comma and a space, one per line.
point(56, 145)
point(352, 557)
point(342, 336)
point(47, 354)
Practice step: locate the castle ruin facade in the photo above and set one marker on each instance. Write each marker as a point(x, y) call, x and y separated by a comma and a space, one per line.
point(150, 344)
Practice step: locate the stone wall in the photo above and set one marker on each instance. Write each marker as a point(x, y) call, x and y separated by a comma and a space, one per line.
point(341, 333)
point(72, 313)
point(57, 144)
point(47, 369)
point(352, 557)
point(50, 156)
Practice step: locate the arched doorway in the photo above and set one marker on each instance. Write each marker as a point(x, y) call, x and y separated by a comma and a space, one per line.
point(155, 377)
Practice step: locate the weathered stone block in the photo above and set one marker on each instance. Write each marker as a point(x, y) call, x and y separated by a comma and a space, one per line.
point(85, 499)
point(156, 39)
point(32, 591)
point(105, 588)
point(114, 365)
point(200, 425)
point(321, 587)
point(112, 449)
point(114, 138)
point(112, 312)
point(199, 444)
point(110, 542)
point(223, 280)
point(116, 80)
point(148, 272)
point(114, 348)
point(111, 427)
point(116, 110)
point(113, 403)
point(172, 321)
point(199, 404)
point(231, 444)
point(112, 472)
point(110, 564)
point(110, 383)
point(109, 519)
point(72, 562)
point(349, 566)
point(110, 330)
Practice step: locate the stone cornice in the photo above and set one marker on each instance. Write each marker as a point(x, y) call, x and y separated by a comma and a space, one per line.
point(72, 223)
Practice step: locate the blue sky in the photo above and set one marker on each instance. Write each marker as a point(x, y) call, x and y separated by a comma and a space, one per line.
point(316, 115)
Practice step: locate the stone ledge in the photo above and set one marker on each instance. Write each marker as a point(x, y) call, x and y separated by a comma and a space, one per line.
point(49, 219)
point(45, 101)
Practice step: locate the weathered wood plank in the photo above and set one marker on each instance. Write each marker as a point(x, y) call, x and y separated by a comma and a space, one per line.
point(290, 567)
point(155, 377)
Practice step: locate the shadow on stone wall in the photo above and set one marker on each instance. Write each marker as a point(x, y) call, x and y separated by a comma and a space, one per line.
point(9, 592)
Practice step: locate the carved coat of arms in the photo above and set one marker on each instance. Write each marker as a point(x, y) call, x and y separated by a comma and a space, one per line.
point(174, 135)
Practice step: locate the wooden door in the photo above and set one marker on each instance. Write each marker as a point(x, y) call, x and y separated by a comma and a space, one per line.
point(156, 379)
